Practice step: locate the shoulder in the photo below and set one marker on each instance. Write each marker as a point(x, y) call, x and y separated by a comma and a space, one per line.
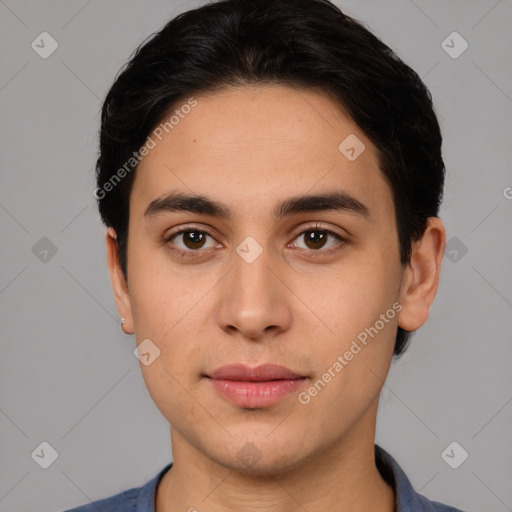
point(135, 499)
point(433, 506)
point(125, 501)
point(407, 499)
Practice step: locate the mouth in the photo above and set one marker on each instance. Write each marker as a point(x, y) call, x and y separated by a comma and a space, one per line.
point(254, 387)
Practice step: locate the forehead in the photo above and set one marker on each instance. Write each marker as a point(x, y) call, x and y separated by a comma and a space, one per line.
point(256, 145)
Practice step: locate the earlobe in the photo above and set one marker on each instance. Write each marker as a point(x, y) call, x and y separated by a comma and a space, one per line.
point(118, 281)
point(421, 276)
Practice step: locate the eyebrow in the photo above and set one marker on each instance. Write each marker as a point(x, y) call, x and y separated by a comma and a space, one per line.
point(202, 205)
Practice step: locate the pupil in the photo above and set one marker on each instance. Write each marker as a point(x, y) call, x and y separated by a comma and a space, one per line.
point(192, 237)
point(316, 240)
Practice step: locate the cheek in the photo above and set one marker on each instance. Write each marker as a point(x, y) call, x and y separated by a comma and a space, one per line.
point(169, 392)
point(352, 297)
point(158, 293)
point(351, 371)
point(358, 311)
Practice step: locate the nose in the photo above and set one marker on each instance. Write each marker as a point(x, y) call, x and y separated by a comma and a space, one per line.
point(254, 299)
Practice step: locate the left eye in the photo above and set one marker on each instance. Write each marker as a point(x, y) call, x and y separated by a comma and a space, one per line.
point(316, 238)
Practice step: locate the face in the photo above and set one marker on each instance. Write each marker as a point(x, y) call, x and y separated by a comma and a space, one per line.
point(262, 270)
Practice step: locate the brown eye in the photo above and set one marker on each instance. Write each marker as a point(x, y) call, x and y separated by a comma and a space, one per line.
point(190, 241)
point(193, 239)
point(315, 239)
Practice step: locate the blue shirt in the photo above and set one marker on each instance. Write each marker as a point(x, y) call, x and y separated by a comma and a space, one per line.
point(142, 499)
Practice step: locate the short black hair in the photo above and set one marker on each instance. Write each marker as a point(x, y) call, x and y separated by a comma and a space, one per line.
point(308, 44)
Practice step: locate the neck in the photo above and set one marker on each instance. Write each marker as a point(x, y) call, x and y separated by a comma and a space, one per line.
point(339, 477)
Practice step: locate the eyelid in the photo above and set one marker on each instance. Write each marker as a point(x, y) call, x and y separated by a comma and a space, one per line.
point(189, 227)
point(318, 225)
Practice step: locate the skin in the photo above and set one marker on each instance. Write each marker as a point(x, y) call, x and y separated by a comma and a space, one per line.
point(249, 148)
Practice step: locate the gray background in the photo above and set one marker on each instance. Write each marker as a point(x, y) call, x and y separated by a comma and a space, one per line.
point(68, 375)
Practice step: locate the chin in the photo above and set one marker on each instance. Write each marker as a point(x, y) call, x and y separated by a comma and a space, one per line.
point(255, 452)
point(263, 465)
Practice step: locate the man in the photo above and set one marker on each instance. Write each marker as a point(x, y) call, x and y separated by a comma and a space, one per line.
point(270, 175)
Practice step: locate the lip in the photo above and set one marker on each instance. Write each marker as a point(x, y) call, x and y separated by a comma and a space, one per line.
point(261, 373)
point(254, 387)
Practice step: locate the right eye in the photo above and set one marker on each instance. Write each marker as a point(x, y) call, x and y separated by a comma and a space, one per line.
point(189, 241)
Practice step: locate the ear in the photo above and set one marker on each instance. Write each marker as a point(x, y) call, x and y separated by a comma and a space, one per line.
point(119, 284)
point(421, 276)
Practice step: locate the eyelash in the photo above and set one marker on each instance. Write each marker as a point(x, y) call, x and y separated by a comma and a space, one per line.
point(319, 252)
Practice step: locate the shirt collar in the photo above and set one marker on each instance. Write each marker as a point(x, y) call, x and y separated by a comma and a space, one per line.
point(406, 498)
